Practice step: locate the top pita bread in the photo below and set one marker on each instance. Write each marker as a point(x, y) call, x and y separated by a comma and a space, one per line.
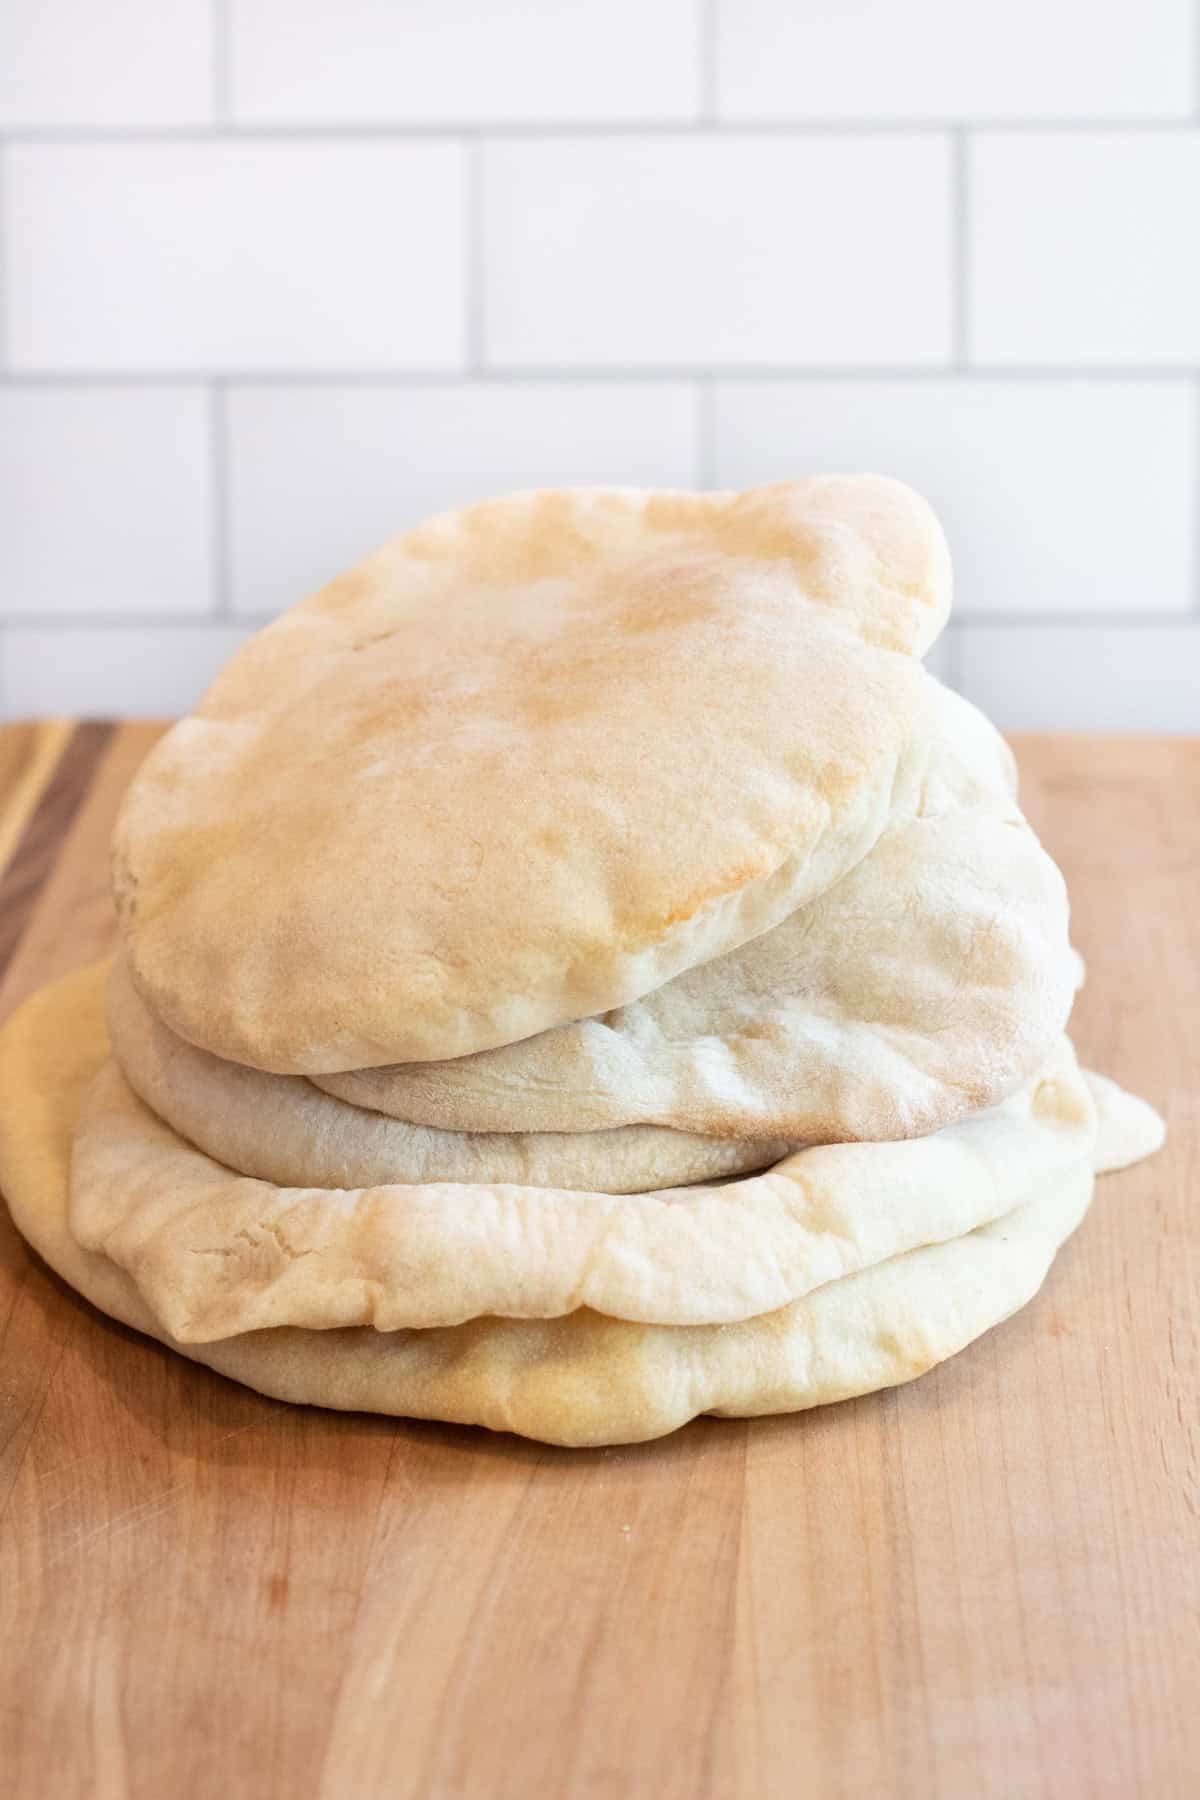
point(932, 978)
point(527, 763)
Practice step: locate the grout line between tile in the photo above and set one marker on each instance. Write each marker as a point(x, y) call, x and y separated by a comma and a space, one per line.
point(953, 674)
point(1196, 489)
point(1088, 620)
point(960, 240)
point(389, 131)
point(502, 375)
point(474, 201)
point(5, 268)
point(706, 434)
point(252, 618)
point(128, 621)
point(707, 64)
point(220, 52)
point(218, 472)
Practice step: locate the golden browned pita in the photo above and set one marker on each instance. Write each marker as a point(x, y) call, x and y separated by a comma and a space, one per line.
point(931, 980)
point(527, 763)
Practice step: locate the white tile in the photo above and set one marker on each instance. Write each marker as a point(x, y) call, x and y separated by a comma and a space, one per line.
point(320, 475)
point(374, 61)
point(126, 62)
point(1084, 248)
point(105, 500)
point(1056, 495)
point(252, 255)
point(1084, 678)
point(102, 672)
point(736, 250)
point(941, 58)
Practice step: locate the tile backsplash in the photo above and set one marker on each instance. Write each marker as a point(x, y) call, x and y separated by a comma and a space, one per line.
point(280, 277)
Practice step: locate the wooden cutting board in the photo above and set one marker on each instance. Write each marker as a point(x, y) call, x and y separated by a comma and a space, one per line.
point(985, 1583)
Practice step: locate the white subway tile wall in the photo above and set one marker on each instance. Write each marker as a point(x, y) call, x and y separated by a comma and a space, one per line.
point(211, 255)
point(1063, 496)
point(946, 59)
point(1084, 247)
point(720, 250)
point(106, 501)
point(134, 671)
point(470, 61)
point(126, 62)
point(280, 277)
point(1120, 677)
point(318, 475)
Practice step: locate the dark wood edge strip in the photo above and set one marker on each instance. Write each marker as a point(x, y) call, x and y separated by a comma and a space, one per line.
point(37, 848)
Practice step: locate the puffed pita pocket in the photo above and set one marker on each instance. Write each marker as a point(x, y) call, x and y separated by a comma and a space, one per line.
point(932, 979)
point(525, 764)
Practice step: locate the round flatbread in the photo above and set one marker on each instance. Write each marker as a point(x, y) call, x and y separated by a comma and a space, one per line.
point(283, 1129)
point(930, 981)
point(452, 800)
point(215, 1253)
point(578, 1380)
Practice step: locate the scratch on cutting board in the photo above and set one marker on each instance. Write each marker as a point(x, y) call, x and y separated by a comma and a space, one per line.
point(120, 1525)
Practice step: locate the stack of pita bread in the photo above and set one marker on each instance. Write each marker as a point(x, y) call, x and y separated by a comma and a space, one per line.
point(577, 971)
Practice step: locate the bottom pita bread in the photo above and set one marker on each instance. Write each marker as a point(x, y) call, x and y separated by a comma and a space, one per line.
point(582, 1379)
point(216, 1252)
point(280, 1128)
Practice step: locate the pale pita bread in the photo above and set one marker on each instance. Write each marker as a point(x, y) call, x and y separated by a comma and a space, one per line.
point(578, 1380)
point(527, 763)
point(1127, 1129)
point(930, 981)
point(215, 1253)
point(283, 1129)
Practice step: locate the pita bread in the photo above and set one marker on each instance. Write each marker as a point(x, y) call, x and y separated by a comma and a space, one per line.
point(451, 800)
point(578, 1380)
point(215, 1253)
point(1127, 1129)
point(282, 1129)
point(930, 981)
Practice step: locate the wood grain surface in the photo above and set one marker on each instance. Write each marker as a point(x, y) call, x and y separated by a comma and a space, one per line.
point(986, 1583)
